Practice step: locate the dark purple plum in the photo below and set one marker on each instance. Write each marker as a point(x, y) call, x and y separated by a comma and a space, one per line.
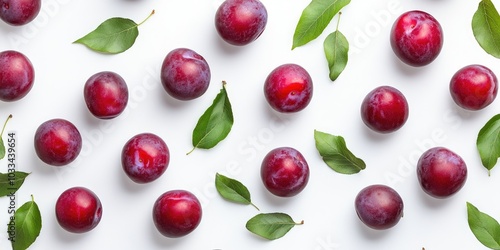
point(416, 38)
point(177, 213)
point(240, 22)
point(16, 75)
point(384, 109)
point(441, 172)
point(288, 88)
point(185, 74)
point(145, 157)
point(57, 142)
point(379, 206)
point(19, 12)
point(474, 87)
point(78, 210)
point(105, 94)
point(284, 172)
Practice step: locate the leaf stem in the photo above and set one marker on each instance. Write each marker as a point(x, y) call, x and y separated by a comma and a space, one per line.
point(338, 21)
point(191, 151)
point(255, 206)
point(5, 124)
point(143, 21)
point(299, 223)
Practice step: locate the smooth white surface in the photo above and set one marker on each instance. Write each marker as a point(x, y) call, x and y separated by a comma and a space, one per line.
point(326, 204)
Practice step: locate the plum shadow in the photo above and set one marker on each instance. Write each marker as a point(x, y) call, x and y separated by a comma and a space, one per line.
point(67, 237)
point(407, 70)
point(372, 234)
point(162, 241)
point(225, 47)
point(273, 200)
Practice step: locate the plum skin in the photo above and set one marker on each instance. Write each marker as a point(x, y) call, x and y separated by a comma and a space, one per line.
point(57, 142)
point(105, 94)
point(17, 75)
point(185, 74)
point(288, 88)
point(78, 210)
point(379, 206)
point(441, 172)
point(474, 87)
point(284, 172)
point(19, 12)
point(145, 157)
point(416, 38)
point(240, 22)
point(384, 109)
point(176, 213)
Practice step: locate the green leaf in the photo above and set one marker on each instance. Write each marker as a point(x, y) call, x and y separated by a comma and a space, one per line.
point(113, 36)
point(28, 225)
point(336, 48)
point(215, 124)
point(2, 144)
point(271, 226)
point(488, 142)
point(233, 190)
point(2, 148)
point(484, 227)
point(486, 27)
point(335, 154)
point(11, 182)
point(314, 19)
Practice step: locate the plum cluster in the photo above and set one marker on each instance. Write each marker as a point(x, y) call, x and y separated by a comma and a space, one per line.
point(416, 39)
point(185, 75)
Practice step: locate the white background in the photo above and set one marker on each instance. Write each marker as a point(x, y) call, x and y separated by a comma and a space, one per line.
point(326, 204)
